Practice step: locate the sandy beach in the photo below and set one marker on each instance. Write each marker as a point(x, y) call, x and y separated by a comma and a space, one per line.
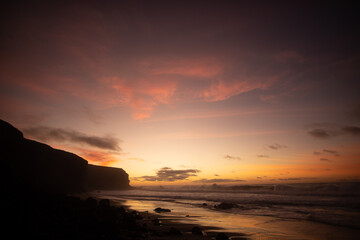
point(236, 226)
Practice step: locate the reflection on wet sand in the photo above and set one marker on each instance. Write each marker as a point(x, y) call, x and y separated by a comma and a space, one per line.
point(255, 227)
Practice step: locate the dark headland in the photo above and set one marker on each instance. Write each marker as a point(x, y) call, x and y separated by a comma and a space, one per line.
point(40, 186)
point(38, 183)
point(37, 166)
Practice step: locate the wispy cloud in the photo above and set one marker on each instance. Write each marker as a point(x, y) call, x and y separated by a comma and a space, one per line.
point(89, 114)
point(332, 152)
point(352, 130)
point(295, 179)
point(136, 159)
point(262, 156)
point(169, 175)
point(320, 133)
point(326, 131)
point(327, 152)
point(325, 160)
point(232, 157)
point(218, 180)
point(276, 146)
point(67, 135)
point(221, 90)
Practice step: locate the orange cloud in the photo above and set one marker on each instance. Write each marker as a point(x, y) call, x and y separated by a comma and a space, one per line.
point(142, 95)
point(168, 81)
point(97, 157)
point(145, 84)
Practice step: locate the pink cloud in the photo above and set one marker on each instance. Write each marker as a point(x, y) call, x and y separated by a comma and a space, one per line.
point(178, 81)
point(221, 90)
point(202, 68)
point(142, 95)
point(145, 84)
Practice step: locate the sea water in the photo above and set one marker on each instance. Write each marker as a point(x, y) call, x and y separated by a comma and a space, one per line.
point(332, 204)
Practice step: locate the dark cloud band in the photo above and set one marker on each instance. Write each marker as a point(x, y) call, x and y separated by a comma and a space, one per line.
point(66, 135)
point(326, 131)
point(169, 175)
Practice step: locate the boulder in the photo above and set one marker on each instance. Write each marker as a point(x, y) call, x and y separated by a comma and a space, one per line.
point(222, 236)
point(160, 210)
point(91, 203)
point(196, 231)
point(104, 203)
point(225, 206)
point(174, 232)
point(156, 222)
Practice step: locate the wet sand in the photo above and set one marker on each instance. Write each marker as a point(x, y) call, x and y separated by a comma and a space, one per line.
point(237, 226)
point(160, 225)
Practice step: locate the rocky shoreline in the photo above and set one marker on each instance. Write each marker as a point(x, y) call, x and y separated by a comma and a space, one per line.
point(49, 216)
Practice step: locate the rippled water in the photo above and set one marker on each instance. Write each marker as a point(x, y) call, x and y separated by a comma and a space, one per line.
point(335, 204)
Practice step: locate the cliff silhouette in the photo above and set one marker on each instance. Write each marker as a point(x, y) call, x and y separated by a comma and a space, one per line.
point(30, 165)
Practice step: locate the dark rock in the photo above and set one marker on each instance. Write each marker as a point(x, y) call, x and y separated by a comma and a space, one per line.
point(221, 236)
point(159, 210)
point(121, 210)
point(106, 178)
point(104, 203)
point(174, 232)
point(33, 165)
point(50, 216)
point(137, 215)
point(196, 231)
point(91, 203)
point(225, 206)
point(156, 222)
point(156, 233)
point(204, 204)
point(10, 133)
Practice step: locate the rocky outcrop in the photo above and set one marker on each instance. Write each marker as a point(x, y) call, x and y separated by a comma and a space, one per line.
point(225, 206)
point(106, 178)
point(34, 165)
point(160, 210)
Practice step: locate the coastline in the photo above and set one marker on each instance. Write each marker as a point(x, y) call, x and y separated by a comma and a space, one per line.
point(160, 227)
point(237, 226)
point(92, 216)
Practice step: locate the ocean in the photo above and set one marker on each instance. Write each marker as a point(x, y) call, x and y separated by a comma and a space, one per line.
point(271, 211)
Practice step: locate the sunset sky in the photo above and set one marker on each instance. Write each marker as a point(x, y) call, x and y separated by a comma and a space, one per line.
point(189, 92)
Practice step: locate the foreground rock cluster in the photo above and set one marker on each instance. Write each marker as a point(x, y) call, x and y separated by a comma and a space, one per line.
point(48, 216)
